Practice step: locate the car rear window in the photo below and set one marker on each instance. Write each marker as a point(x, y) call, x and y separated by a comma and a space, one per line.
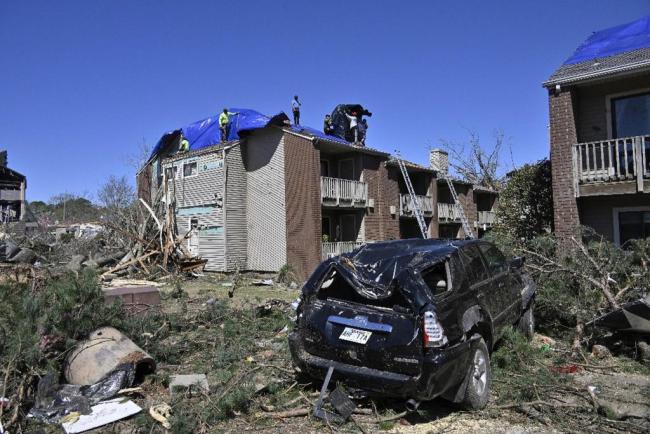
point(335, 287)
point(436, 278)
point(496, 262)
point(476, 271)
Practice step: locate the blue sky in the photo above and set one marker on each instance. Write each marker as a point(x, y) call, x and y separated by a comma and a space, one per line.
point(82, 83)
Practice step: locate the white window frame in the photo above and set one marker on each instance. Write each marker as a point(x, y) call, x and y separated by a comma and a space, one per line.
point(615, 219)
point(608, 106)
point(196, 173)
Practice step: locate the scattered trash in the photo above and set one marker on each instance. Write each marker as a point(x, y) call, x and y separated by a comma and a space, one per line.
point(262, 282)
point(102, 414)
point(211, 301)
point(182, 383)
point(631, 317)
point(54, 400)
point(161, 413)
point(342, 403)
point(600, 352)
point(105, 350)
point(565, 369)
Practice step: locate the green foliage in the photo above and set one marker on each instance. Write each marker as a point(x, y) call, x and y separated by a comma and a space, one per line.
point(526, 203)
point(287, 274)
point(515, 355)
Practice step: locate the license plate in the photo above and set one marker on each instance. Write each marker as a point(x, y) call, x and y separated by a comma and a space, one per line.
point(355, 335)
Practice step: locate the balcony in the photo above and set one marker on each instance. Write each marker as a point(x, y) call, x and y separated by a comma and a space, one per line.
point(616, 166)
point(448, 213)
point(336, 248)
point(406, 206)
point(485, 218)
point(344, 193)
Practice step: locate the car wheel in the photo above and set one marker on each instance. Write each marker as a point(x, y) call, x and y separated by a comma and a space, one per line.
point(478, 378)
point(527, 323)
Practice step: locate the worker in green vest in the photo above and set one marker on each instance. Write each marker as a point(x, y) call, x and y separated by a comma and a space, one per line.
point(184, 146)
point(224, 123)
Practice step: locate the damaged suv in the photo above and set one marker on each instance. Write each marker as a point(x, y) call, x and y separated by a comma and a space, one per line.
point(414, 319)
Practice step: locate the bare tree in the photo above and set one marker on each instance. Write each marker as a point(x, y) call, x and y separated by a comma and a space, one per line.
point(476, 163)
point(121, 213)
point(139, 156)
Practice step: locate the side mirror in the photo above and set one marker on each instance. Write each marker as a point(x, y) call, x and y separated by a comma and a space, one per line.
point(517, 262)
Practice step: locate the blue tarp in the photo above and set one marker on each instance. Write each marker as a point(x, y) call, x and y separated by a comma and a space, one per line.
point(206, 132)
point(612, 41)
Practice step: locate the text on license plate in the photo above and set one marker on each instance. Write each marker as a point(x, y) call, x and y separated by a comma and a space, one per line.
point(355, 335)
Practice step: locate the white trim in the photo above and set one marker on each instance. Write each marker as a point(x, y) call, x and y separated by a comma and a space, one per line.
point(615, 223)
point(608, 106)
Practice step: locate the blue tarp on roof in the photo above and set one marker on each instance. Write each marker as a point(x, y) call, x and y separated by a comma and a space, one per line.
point(612, 41)
point(206, 132)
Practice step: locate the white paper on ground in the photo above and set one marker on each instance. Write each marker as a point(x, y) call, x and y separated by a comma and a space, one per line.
point(102, 414)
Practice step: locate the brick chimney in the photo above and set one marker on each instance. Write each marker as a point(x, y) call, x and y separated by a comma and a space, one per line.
point(439, 161)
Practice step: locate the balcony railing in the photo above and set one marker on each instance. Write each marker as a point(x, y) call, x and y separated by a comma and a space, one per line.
point(406, 205)
point(448, 212)
point(336, 248)
point(612, 162)
point(486, 218)
point(343, 192)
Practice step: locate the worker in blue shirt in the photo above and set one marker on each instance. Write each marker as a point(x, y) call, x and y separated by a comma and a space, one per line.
point(295, 108)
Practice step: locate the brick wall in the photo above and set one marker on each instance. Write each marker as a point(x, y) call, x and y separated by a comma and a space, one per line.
point(563, 135)
point(143, 181)
point(383, 188)
point(303, 207)
point(434, 230)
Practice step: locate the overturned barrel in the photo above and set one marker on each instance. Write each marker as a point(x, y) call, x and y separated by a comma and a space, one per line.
point(104, 350)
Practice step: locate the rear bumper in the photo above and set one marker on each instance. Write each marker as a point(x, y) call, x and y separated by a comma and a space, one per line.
point(442, 370)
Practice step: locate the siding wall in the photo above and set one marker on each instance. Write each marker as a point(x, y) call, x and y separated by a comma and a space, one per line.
point(196, 197)
point(303, 210)
point(235, 210)
point(265, 204)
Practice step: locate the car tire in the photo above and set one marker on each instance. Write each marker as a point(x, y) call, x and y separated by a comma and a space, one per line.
point(478, 379)
point(526, 323)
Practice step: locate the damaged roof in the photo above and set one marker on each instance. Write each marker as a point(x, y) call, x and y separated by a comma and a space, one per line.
point(621, 49)
point(410, 165)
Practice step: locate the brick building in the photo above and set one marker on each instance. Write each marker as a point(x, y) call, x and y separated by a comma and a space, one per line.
point(599, 104)
point(281, 194)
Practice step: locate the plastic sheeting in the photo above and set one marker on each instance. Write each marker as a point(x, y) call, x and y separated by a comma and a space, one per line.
point(613, 41)
point(206, 132)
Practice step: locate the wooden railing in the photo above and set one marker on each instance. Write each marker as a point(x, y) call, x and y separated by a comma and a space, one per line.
point(343, 192)
point(448, 212)
point(486, 218)
point(627, 158)
point(331, 249)
point(406, 205)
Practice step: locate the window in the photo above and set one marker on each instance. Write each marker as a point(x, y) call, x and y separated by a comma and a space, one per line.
point(326, 229)
point(170, 172)
point(496, 262)
point(473, 264)
point(633, 225)
point(631, 115)
point(437, 278)
point(190, 169)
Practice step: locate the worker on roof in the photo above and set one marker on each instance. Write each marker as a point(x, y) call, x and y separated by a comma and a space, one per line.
point(184, 146)
point(354, 122)
point(224, 123)
point(295, 108)
point(362, 127)
point(328, 126)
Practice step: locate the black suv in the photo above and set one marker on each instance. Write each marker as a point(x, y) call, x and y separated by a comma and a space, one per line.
point(415, 319)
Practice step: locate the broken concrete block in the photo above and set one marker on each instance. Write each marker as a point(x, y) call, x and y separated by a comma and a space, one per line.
point(133, 296)
point(179, 384)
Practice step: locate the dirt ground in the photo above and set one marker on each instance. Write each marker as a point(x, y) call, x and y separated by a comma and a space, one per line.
point(209, 343)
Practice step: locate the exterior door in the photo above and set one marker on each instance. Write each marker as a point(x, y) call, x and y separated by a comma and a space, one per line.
point(193, 242)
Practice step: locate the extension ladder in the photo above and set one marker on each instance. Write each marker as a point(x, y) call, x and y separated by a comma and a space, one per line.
point(459, 208)
point(416, 206)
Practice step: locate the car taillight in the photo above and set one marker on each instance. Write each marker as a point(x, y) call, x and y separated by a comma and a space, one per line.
point(434, 335)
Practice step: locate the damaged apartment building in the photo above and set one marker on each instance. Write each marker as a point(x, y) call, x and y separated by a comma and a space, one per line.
point(277, 194)
point(599, 104)
point(12, 192)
